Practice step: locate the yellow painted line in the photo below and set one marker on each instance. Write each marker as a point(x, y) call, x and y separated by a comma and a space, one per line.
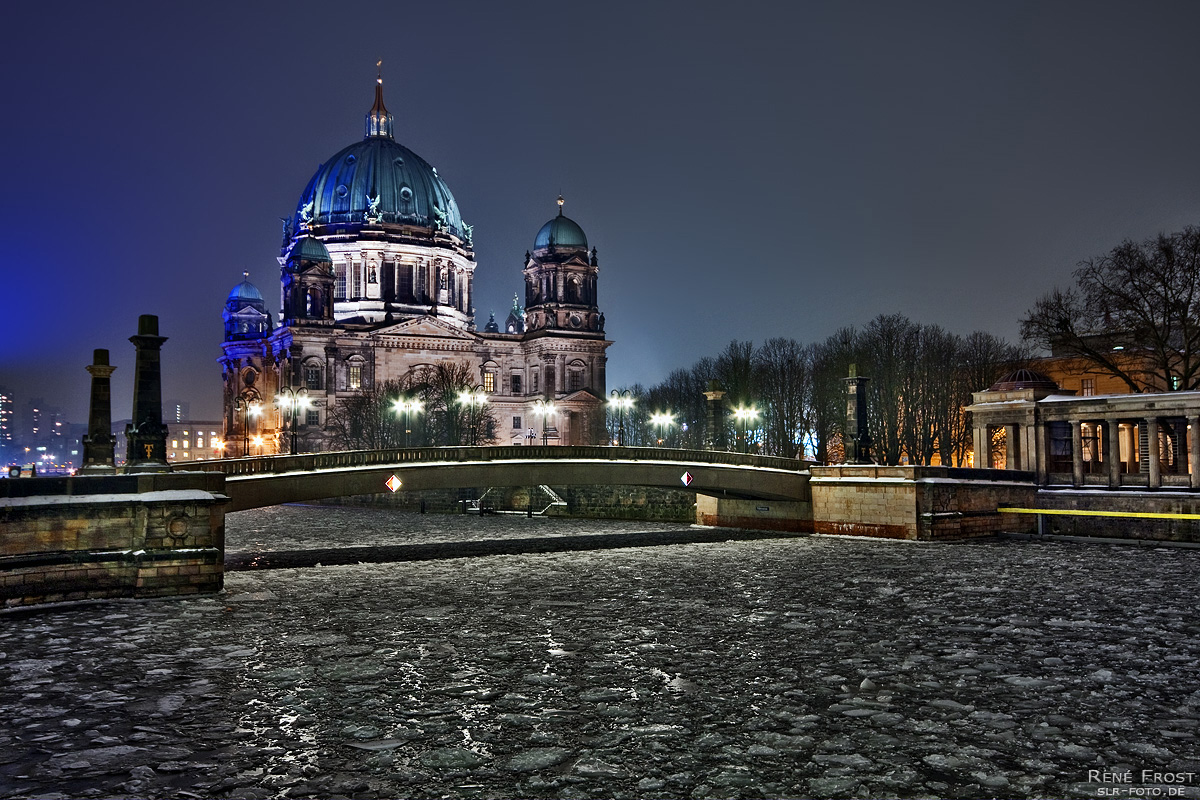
point(1096, 513)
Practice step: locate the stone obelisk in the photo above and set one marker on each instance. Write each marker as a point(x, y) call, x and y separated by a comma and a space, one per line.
point(857, 438)
point(146, 436)
point(99, 443)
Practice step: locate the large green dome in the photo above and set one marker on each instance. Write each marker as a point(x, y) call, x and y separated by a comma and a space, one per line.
point(380, 181)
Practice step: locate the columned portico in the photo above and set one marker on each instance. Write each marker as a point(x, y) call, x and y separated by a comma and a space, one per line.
point(1105, 441)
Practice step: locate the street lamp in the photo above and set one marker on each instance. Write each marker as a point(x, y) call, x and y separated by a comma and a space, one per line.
point(545, 411)
point(660, 421)
point(257, 441)
point(620, 400)
point(291, 401)
point(473, 398)
point(406, 407)
point(249, 408)
point(745, 415)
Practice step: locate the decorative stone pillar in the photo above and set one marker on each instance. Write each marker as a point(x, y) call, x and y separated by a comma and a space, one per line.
point(1152, 450)
point(146, 435)
point(716, 439)
point(99, 443)
point(857, 439)
point(1112, 431)
point(1076, 453)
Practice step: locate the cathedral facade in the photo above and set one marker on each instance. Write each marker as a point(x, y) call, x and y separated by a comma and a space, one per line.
point(377, 272)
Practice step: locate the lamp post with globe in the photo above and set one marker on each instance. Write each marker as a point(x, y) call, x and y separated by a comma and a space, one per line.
point(620, 400)
point(249, 408)
point(290, 401)
point(744, 416)
point(405, 406)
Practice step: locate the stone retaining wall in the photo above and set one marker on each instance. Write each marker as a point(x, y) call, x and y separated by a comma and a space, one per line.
point(917, 503)
point(1144, 502)
point(150, 535)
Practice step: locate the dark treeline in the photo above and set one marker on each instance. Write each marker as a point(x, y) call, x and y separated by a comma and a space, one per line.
point(922, 377)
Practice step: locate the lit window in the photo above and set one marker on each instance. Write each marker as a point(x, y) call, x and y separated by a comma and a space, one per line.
point(174, 443)
point(199, 442)
point(185, 444)
point(185, 454)
point(489, 382)
point(355, 378)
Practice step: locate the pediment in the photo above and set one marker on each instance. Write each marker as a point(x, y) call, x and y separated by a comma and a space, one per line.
point(581, 396)
point(425, 326)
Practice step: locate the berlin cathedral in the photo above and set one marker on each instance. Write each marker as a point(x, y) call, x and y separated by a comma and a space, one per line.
point(377, 275)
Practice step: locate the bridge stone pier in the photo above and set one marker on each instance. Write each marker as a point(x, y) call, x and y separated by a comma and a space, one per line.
point(99, 536)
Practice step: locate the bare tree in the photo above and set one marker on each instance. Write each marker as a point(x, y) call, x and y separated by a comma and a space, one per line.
point(448, 420)
point(783, 379)
point(830, 362)
point(1134, 314)
point(367, 420)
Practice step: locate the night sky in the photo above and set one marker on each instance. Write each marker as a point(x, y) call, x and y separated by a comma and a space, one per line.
point(746, 170)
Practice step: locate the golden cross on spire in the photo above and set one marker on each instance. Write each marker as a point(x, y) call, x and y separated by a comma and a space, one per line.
point(379, 71)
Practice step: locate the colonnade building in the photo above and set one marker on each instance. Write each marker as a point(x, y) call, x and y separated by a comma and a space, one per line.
point(1026, 421)
point(377, 272)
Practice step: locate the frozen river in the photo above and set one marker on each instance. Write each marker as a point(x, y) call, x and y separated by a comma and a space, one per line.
point(790, 667)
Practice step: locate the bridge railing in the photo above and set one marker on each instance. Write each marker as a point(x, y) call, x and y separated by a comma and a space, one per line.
point(348, 459)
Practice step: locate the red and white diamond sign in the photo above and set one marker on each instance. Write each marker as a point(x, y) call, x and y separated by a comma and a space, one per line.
point(686, 478)
point(393, 483)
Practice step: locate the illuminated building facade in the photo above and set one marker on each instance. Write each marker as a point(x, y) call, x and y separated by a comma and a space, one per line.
point(377, 284)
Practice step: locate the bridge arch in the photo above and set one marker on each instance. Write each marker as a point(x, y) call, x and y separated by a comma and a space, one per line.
point(272, 480)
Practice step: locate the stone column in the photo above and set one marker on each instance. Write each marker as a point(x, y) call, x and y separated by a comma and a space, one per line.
point(1011, 447)
point(99, 443)
point(1131, 447)
point(858, 439)
point(1152, 448)
point(716, 417)
point(146, 435)
point(1076, 453)
point(1112, 430)
point(981, 447)
point(1042, 457)
point(1193, 434)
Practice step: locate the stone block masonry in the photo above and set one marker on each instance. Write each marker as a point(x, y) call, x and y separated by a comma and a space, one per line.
point(149, 535)
point(917, 503)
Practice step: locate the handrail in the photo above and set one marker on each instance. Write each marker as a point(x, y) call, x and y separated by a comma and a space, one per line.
point(1074, 512)
point(344, 459)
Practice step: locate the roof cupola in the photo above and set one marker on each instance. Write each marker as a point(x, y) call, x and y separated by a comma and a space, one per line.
point(379, 121)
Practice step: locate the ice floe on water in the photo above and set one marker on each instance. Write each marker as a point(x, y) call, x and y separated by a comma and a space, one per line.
point(811, 667)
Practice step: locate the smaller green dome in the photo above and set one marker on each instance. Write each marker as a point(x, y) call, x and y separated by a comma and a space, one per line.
point(309, 249)
point(561, 232)
point(245, 292)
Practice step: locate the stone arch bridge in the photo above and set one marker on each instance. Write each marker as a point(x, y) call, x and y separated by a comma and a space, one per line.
point(272, 480)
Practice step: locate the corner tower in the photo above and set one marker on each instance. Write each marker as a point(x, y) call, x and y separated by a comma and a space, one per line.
point(560, 279)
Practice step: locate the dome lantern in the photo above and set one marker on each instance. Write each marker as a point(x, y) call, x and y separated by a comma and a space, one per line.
point(379, 121)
